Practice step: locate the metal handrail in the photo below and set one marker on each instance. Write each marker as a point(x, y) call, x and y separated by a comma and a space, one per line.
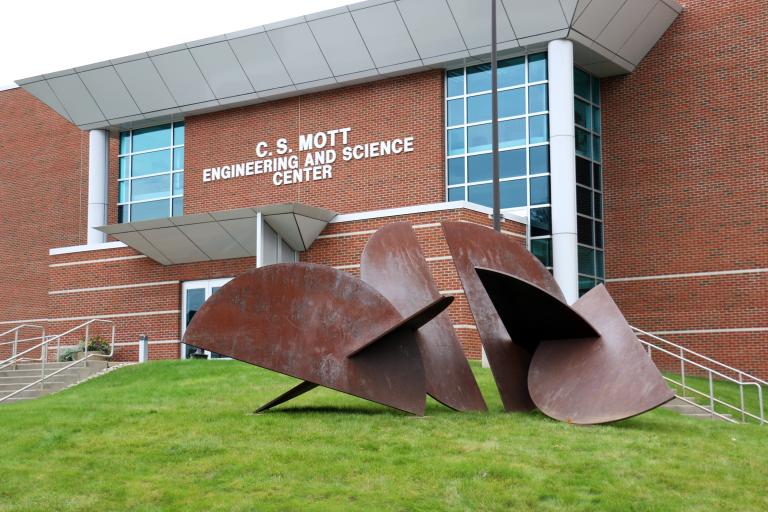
point(681, 356)
point(46, 342)
point(15, 342)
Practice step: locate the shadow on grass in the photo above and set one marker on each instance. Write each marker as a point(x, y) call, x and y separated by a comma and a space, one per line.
point(330, 409)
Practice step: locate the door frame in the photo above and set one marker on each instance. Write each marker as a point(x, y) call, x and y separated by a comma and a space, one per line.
point(208, 285)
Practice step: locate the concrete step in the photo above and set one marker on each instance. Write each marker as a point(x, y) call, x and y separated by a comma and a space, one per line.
point(36, 392)
point(14, 380)
point(18, 385)
point(693, 411)
point(23, 371)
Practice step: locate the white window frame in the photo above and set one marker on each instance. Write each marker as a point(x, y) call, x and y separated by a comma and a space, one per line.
point(208, 285)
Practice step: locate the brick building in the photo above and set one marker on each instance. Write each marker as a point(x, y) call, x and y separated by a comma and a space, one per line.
point(633, 153)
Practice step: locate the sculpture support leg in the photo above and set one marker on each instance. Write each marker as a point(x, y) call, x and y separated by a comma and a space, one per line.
point(292, 393)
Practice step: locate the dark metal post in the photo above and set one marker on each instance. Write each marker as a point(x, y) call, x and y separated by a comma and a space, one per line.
point(495, 124)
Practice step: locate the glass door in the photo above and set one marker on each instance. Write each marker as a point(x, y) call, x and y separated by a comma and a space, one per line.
point(193, 295)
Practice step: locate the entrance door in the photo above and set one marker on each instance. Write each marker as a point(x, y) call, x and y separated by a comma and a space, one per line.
point(193, 294)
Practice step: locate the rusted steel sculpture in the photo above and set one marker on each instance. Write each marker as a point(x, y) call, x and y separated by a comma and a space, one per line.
point(392, 262)
point(322, 326)
point(387, 339)
point(475, 246)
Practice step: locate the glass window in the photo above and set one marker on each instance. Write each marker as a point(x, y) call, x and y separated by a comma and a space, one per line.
point(583, 172)
point(479, 108)
point(596, 120)
point(582, 114)
point(537, 67)
point(600, 265)
point(598, 182)
point(586, 260)
point(512, 133)
point(541, 221)
point(539, 129)
point(585, 284)
point(456, 141)
point(595, 90)
point(455, 112)
point(455, 171)
point(598, 204)
point(581, 84)
point(512, 163)
point(584, 201)
point(584, 230)
point(599, 235)
point(512, 193)
point(479, 167)
point(537, 98)
point(151, 138)
point(539, 159)
point(512, 103)
point(596, 148)
point(511, 72)
point(456, 194)
point(540, 190)
point(542, 249)
point(481, 194)
point(479, 138)
point(583, 143)
point(151, 176)
point(479, 78)
point(455, 79)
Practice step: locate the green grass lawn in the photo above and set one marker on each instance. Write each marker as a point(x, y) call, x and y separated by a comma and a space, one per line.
point(179, 435)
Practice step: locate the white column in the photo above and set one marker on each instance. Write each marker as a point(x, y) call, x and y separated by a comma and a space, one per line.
point(562, 152)
point(98, 155)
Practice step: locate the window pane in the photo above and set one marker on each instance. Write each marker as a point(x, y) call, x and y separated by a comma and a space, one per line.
point(455, 112)
point(456, 194)
point(539, 129)
point(595, 90)
point(455, 171)
point(540, 190)
point(584, 201)
point(149, 163)
point(542, 249)
point(479, 78)
point(479, 138)
point(537, 98)
point(122, 214)
point(581, 84)
point(178, 134)
point(511, 72)
point(479, 108)
point(479, 168)
point(151, 210)
point(596, 119)
point(124, 166)
point(455, 82)
point(584, 230)
point(537, 67)
point(152, 138)
point(122, 195)
point(178, 159)
point(539, 159)
point(583, 143)
point(597, 149)
point(585, 284)
point(512, 163)
point(125, 142)
point(599, 235)
point(598, 178)
point(600, 270)
point(178, 183)
point(583, 172)
point(581, 113)
point(512, 133)
point(481, 194)
point(598, 205)
point(512, 102)
point(178, 206)
point(586, 261)
point(456, 141)
point(512, 193)
point(151, 188)
point(541, 221)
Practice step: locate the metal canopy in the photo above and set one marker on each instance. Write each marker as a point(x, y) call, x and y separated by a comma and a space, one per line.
point(360, 42)
point(220, 235)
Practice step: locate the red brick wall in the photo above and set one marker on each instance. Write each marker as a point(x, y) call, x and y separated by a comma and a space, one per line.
point(43, 199)
point(686, 154)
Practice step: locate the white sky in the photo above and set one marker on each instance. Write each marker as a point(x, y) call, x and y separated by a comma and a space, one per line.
point(43, 36)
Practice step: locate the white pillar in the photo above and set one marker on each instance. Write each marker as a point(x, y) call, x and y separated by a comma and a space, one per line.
point(98, 155)
point(562, 152)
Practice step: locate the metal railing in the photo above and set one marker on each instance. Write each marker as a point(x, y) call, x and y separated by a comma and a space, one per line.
point(715, 371)
point(44, 346)
point(15, 342)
